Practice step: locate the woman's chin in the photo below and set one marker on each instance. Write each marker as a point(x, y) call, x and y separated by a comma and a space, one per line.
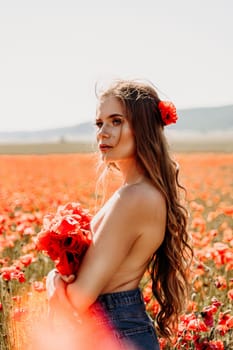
point(106, 159)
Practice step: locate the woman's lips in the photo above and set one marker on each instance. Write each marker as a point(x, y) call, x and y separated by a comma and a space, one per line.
point(104, 147)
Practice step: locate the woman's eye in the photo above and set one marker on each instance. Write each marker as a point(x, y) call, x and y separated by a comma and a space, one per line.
point(99, 124)
point(117, 121)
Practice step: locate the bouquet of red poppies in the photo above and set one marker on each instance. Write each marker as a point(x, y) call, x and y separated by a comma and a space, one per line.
point(65, 237)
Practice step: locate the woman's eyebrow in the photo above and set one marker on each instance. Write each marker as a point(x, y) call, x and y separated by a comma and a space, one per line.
point(112, 116)
point(115, 115)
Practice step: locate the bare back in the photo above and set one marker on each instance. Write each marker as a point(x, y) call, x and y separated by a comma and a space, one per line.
point(147, 226)
point(126, 232)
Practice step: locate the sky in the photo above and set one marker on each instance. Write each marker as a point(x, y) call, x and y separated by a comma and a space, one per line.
point(54, 52)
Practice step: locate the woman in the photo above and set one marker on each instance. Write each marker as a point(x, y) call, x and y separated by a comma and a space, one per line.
point(142, 225)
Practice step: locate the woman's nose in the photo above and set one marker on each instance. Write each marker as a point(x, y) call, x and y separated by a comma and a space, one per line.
point(104, 132)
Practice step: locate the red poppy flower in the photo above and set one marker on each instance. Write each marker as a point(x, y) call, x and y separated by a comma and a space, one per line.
point(229, 322)
point(39, 286)
point(221, 329)
point(65, 237)
point(26, 259)
point(230, 294)
point(197, 325)
point(168, 112)
point(12, 273)
point(223, 318)
point(216, 345)
point(220, 282)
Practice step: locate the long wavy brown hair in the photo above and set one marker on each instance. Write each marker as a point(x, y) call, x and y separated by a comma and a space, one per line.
point(169, 264)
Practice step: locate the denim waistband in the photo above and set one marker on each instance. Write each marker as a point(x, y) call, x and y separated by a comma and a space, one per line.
point(113, 300)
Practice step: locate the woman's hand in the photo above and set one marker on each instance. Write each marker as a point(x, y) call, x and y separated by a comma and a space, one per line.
point(58, 302)
point(68, 278)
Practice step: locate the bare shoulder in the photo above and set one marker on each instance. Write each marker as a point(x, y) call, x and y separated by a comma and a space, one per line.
point(136, 209)
point(143, 197)
point(144, 207)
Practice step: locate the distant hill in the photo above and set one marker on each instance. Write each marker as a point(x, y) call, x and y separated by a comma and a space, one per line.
point(194, 120)
point(80, 132)
point(205, 119)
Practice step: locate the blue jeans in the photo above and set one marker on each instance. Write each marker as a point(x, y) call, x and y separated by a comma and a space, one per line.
point(125, 313)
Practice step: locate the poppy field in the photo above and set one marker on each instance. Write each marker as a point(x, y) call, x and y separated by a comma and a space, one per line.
point(32, 186)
